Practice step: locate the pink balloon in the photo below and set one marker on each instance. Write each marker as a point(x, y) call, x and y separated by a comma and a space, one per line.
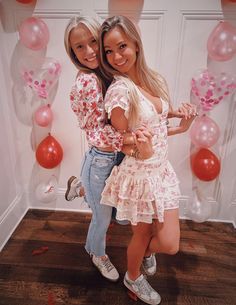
point(42, 79)
point(204, 132)
point(34, 33)
point(210, 89)
point(221, 44)
point(43, 115)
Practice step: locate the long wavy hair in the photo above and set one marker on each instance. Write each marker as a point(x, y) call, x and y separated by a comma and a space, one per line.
point(148, 79)
point(93, 26)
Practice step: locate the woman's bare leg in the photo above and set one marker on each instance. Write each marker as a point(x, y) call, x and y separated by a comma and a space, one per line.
point(136, 249)
point(166, 237)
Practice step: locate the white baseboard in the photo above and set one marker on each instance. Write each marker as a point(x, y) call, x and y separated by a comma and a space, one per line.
point(60, 204)
point(11, 218)
point(213, 220)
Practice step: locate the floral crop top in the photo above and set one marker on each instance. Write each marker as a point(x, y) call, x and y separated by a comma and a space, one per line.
point(87, 103)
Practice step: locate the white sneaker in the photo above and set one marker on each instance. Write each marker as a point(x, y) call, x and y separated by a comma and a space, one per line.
point(106, 268)
point(73, 188)
point(149, 264)
point(142, 289)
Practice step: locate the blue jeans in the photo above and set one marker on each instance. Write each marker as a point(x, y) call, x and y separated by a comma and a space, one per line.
point(96, 168)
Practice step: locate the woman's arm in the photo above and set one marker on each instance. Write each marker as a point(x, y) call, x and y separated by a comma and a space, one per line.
point(183, 126)
point(86, 102)
point(187, 112)
point(142, 148)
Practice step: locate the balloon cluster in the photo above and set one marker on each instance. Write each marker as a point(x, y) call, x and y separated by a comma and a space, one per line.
point(207, 91)
point(40, 76)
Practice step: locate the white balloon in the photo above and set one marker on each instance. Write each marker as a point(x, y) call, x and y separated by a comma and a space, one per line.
point(47, 191)
point(199, 209)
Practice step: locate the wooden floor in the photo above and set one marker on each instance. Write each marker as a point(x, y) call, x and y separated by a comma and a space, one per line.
point(44, 263)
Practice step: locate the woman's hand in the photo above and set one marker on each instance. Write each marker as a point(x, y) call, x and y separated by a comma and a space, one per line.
point(186, 110)
point(143, 133)
point(130, 137)
point(143, 143)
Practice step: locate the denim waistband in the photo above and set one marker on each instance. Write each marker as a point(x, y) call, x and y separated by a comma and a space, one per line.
point(94, 150)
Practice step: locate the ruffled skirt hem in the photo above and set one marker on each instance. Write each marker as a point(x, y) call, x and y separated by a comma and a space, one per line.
point(143, 195)
point(134, 217)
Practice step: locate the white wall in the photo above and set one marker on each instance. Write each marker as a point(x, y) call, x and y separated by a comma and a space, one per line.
point(13, 196)
point(174, 35)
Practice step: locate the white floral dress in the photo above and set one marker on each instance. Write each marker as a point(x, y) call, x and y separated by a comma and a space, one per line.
point(141, 190)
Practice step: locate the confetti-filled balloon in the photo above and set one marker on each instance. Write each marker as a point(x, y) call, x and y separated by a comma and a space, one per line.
point(42, 79)
point(34, 33)
point(210, 89)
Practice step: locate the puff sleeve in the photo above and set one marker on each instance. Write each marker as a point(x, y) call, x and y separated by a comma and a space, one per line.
point(117, 96)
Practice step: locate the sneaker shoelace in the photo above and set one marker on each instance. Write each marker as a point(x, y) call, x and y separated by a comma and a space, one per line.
point(144, 287)
point(78, 184)
point(107, 264)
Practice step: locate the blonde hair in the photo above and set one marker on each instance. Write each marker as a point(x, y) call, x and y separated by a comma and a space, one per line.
point(93, 26)
point(150, 80)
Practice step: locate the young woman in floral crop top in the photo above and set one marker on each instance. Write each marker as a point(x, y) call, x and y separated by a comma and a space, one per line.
point(105, 142)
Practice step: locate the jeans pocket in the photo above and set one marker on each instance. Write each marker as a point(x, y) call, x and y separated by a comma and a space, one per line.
point(101, 169)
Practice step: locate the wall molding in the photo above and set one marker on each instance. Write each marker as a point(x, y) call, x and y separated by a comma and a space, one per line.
point(145, 14)
point(185, 16)
point(57, 14)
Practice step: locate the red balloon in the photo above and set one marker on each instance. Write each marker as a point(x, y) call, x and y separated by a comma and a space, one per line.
point(205, 165)
point(49, 153)
point(24, 1)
